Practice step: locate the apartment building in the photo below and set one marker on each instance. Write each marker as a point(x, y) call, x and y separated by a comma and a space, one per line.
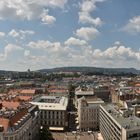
point(19, 124)
point(88, 113)
point(103, 92)
point(117, 126)
point(53, 111)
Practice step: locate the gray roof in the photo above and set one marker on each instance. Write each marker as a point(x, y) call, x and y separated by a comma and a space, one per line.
point(131, 122)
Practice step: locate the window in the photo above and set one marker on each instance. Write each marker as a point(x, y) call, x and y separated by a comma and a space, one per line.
point(6, 138)
point(16, 137)
point(11, 138)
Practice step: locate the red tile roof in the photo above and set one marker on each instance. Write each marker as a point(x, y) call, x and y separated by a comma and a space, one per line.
point(10, 104)
point(24, 98)
point(27, 91)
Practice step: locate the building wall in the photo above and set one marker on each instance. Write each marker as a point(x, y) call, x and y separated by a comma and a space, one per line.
point(88, 116)
point(54, 118)
point(25, 131)
point(53, 113)
point(109, 129)
point(22, 133)
point(112, 130)
point(103, 94)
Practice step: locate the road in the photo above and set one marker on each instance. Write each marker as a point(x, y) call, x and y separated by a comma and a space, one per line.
point(72, 116)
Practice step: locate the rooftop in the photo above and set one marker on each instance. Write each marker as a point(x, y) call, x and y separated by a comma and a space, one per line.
point(28, 91)
point(92, 100)
point(10, 104)
point(80, 91)
point(131, 122)
point(51, 102)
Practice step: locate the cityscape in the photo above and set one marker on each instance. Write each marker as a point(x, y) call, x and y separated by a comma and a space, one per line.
point(69, 70)
point(66, 105)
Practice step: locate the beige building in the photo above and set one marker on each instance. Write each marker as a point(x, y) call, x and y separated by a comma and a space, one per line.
point(115, 126)
point(88, 113)
point(53, 112)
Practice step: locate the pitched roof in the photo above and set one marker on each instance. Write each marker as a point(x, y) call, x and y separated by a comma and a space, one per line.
point(24, 98)
point(28, 91)
point(10, 104)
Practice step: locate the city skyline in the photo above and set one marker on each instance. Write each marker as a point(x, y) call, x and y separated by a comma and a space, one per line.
point(36, 34)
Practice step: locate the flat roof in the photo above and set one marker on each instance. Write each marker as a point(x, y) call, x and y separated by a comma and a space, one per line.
point(129, 123)
point(51, 102)
point(84, 92)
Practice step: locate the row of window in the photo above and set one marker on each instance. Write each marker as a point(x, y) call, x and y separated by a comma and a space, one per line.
point(52, 123)
point(52, 112)
point(51, 117)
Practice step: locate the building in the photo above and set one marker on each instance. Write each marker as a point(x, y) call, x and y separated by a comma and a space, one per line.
point(20, 124)
point(28, 92)
point(103, 92)
point(85, 91)
point(53, 111)
point(116, 126)
point(57, 89)
point(88, 113)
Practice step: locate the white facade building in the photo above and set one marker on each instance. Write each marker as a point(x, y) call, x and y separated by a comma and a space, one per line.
point(115, 126)
point(53, 112)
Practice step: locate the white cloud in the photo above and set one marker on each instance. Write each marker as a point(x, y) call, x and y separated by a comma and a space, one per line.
point(87, 33)
point(2, 34)
point(47, 19)
point(88, 19)
point(56, 3)
point(133, 26)
point(13, 33)
point(30, 57)
point(118, 55)
point(27, 53)
point(86, 7)
point(46, 54)
point(27, 9)
point(9, 49)
point(20, 33)
point(44, 44)
point(57, 54)
point(75, 42)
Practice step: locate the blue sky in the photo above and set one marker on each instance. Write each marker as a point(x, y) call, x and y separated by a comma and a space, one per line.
point(40, 34)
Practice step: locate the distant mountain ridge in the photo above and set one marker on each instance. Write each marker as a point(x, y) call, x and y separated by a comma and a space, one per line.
point(93, 70)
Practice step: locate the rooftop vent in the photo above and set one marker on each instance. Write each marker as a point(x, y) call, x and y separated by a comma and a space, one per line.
point(127, 126)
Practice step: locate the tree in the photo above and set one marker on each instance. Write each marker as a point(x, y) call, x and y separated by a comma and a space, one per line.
point(71, 90)
point(45, 134)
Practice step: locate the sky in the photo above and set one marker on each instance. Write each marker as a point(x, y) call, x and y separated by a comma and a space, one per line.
point(38, 34)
